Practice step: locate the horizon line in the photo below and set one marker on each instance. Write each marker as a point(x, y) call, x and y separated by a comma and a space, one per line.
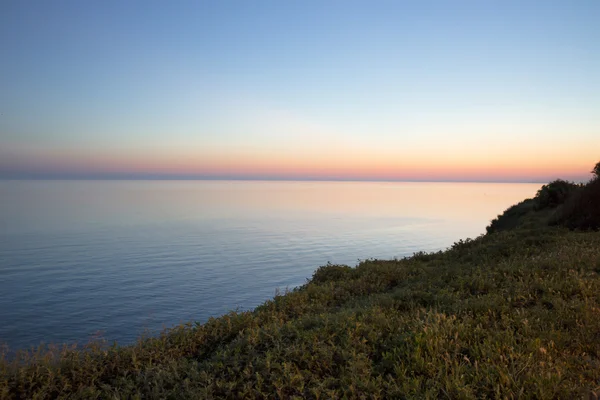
point(268, 179)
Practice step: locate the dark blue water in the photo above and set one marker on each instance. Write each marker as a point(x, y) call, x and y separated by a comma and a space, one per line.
point(115, 259)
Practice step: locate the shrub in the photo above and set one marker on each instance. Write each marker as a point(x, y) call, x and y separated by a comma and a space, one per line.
point(331, 272)
point(554, 194)
point(596, 170)
point(582, 209)
point(511, 217)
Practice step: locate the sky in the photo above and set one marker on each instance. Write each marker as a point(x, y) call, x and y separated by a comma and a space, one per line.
point(343, 90)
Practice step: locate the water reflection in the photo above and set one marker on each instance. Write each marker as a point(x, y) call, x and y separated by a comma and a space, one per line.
point(78, 257)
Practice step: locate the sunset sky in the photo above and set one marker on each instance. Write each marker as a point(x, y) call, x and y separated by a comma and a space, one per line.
point(330, 89)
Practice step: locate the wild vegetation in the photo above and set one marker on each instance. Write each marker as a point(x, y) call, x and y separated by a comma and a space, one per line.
point(563, 203)
point(513, 313)
point(581, 210)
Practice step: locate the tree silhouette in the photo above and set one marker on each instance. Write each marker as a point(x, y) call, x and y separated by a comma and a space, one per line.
point(596, 170)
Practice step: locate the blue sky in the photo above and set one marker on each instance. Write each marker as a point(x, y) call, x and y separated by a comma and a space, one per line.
point(448, 90)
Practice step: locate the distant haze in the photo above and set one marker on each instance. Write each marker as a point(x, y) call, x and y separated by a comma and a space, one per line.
point(324, 90)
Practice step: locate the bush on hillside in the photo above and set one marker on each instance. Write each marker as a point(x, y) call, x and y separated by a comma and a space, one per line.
point(332, 273)
point(582, 209)
point(554, 194)
point(596, 170)
point(511, 217)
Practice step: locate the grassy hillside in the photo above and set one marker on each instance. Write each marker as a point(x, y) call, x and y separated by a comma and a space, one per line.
point(513, 313)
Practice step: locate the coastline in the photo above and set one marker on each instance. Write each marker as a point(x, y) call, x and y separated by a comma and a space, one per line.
point(513, 312)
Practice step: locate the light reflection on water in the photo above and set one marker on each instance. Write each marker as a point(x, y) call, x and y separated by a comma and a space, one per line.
point(122, 257)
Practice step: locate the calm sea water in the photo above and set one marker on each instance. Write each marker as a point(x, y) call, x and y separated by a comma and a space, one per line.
point(80, 259)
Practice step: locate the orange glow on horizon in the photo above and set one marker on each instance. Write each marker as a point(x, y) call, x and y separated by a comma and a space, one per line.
point(347, 164)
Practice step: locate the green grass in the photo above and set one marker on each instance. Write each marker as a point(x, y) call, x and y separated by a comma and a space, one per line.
point(511, 314)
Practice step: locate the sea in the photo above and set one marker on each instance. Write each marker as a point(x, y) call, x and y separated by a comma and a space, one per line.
point(115, 260)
